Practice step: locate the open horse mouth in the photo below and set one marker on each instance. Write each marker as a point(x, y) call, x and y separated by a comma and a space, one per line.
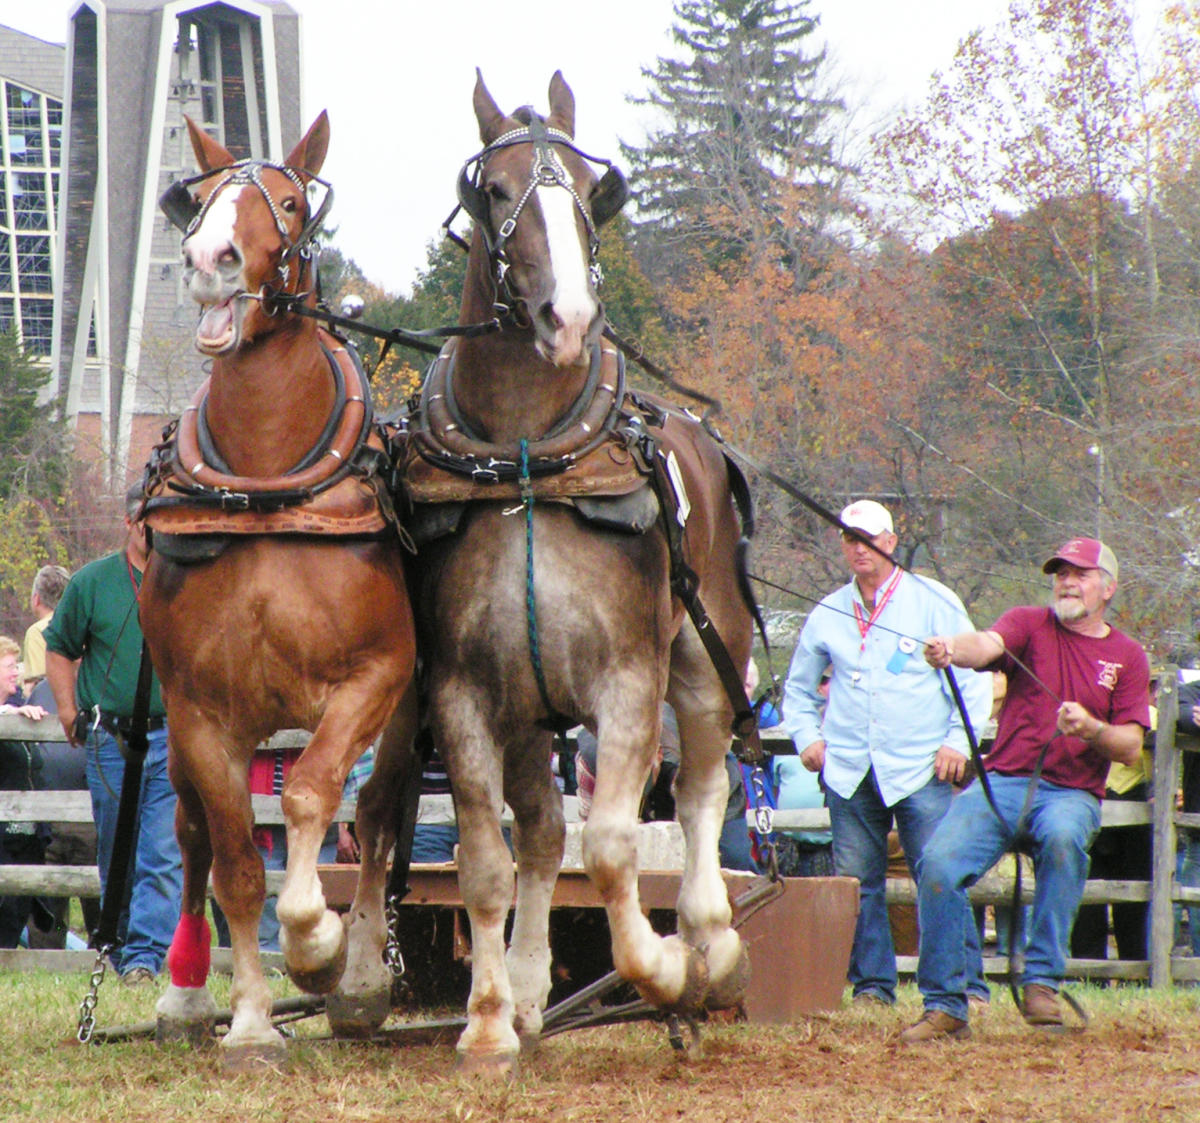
point(217, 331)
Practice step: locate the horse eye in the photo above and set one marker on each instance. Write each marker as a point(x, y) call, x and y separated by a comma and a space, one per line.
point(289, 205)
point(498, 194)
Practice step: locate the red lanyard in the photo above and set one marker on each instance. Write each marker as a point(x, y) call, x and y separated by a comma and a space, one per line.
point(881, 600)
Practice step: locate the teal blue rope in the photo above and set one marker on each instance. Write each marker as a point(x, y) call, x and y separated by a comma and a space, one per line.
point(531, 625)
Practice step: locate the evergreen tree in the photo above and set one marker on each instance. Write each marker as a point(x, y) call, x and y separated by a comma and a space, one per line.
point(33, 445)
point(745, 164)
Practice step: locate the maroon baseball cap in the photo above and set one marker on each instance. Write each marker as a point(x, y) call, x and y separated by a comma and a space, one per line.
point(1087, 553)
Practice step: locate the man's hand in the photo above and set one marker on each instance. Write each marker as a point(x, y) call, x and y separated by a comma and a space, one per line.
point(950, 765)
point(813, 758)
point(939, 650)
point(66, 719)
point(1075, 721)
point(347, 847)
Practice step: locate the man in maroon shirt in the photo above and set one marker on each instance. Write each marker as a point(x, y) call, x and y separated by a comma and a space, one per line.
point(1076, 701)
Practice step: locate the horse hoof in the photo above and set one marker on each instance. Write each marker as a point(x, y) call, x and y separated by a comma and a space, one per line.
point(695, 985)
point(731, 989)
point(320, 980)
point(186, 1014)
point(488, 1066)
point(357, 1015)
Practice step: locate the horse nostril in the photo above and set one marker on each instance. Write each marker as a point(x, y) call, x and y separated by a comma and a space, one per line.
point(230, 260)
point(549, 316)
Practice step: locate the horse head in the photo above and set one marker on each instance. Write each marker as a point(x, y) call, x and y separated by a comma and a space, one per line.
point(537, 206)
point(246, 222)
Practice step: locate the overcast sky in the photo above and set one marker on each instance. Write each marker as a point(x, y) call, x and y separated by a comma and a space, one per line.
point(396, 77)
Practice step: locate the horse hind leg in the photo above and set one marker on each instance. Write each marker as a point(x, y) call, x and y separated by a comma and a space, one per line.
point(665, 971)
point(186, 1011)
point(363, 999)
point(701, 796)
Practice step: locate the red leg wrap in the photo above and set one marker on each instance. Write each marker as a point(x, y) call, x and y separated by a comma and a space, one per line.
point(189, 957)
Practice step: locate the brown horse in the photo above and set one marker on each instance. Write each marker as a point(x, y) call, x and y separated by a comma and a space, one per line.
point(275, 595)
point(521, 430)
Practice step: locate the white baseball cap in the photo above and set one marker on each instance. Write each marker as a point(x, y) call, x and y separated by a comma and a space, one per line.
point(868, 516)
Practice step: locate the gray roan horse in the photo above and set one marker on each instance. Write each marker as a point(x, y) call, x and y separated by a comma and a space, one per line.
point(544, 591)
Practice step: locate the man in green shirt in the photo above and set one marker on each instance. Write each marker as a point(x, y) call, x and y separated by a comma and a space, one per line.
point(93, 651)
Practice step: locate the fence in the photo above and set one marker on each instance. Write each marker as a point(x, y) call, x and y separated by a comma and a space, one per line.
point(1162, 892)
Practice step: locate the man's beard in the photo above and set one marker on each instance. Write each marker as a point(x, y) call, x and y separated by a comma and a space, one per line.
point(1068, 609)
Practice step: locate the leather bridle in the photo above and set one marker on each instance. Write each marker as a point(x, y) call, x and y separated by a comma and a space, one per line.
point(186, 212)
point(546, 170)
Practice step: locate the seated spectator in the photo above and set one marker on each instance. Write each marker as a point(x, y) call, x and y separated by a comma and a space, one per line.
point(22, 843)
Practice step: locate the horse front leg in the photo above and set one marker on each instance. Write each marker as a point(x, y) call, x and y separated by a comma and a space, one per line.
point(665, 971)
point(489, 1044)
point(539, 836)
point(363, 999)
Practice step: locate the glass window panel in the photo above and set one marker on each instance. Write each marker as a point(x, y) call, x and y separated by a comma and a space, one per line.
point(6, 278)
point(29, 202)
point(33, 263)
point(37, 322)
point(6, 313)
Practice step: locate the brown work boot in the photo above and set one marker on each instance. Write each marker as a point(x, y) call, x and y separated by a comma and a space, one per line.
point(935, 1025)
point(1040, 1005)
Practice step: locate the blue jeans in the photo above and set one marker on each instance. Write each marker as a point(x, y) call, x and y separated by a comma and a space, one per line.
point(860, 829)
point(155, 882)
point(1062, 824)
point(1189, 875)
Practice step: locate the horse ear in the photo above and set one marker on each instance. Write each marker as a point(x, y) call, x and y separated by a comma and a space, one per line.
point(562, 105)
point(487, 112)
point(209, 154)
point(309, 154)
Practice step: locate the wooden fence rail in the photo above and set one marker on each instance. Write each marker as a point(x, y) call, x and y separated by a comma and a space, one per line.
point(1161, 891)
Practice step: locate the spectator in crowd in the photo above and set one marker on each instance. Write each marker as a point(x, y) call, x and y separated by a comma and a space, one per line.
point(67, 843)
point(48, 586)
point(891, 743)
point(1188, 722)
point(436, 833)
point(93, 653)
point(1121, 854)
point(1077, 701)
point(21, 843)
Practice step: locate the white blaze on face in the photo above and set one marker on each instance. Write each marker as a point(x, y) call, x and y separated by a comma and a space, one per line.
point(205, 245)
point(573, 301)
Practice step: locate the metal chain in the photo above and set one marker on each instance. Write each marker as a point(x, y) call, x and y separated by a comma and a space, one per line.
point(87, 1008)
point(392, 955)
point(764, 820)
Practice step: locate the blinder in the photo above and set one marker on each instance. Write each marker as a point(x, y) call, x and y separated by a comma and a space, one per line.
point(611, 194)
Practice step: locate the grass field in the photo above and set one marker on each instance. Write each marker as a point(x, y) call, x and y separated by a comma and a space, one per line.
point(1139, 1060)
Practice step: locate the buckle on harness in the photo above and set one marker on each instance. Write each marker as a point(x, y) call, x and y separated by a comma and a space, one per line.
point(233, 500)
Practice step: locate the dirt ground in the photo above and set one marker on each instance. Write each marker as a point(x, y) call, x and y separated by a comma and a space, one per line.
point(1130, 1064)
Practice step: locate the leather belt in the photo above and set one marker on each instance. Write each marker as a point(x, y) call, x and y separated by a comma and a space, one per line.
point(123, 726)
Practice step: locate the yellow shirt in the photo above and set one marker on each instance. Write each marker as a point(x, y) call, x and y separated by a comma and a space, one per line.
point(33, 655)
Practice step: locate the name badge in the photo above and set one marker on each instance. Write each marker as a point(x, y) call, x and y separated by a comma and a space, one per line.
point(901, 656)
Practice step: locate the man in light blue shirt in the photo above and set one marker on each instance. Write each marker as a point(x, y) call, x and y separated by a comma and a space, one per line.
point(890, 743)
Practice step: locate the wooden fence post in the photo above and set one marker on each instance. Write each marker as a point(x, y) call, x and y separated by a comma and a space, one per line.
point(1162, 878)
